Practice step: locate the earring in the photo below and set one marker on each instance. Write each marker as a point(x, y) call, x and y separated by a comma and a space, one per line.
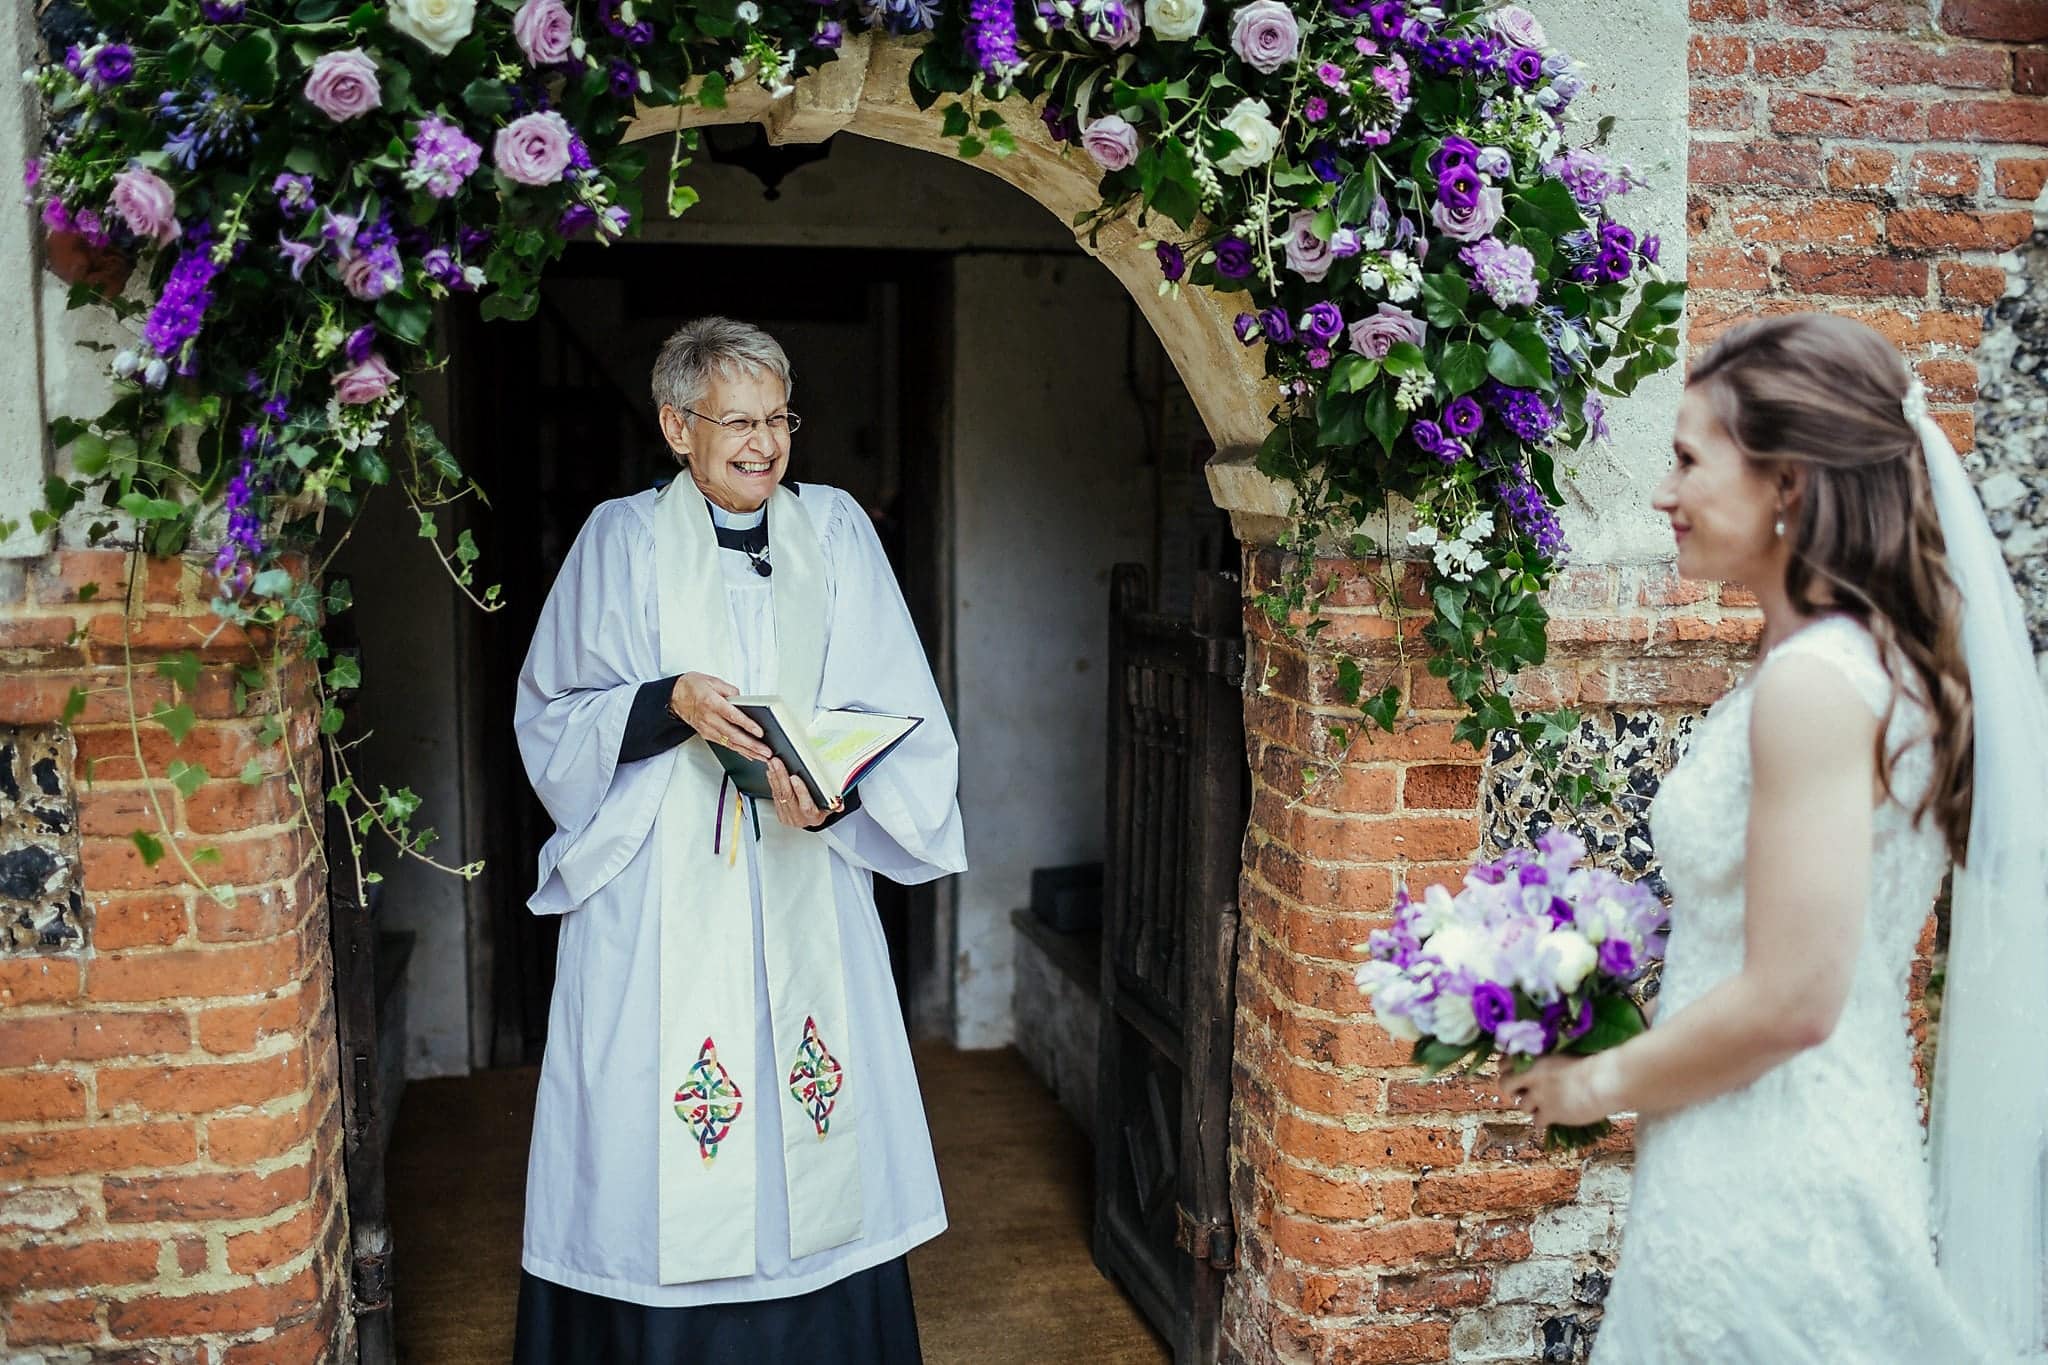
point(1778, 528)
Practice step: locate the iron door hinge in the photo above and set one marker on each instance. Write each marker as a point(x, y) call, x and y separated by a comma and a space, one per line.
point(1214, 1242)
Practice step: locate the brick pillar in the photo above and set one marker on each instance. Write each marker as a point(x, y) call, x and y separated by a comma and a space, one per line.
point(170, 1171)
point(1383, 1217)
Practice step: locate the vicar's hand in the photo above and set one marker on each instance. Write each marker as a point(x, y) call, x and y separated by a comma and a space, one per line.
point(793, 804)
point(702, 700)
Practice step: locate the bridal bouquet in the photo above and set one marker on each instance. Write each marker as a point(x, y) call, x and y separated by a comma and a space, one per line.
point(1535, 955)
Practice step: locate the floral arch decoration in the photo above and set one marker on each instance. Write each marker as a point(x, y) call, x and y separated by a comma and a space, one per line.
point(1383, 191)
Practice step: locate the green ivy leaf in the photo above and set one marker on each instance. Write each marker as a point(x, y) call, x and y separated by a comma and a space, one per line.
point(408, 319)
point(251, 65)
point(1383, 706)
point(151, 847)
point(345, 673)
point(74, 704)
point(186, 777)
point(178, 720)
point(1350, 680)
point(252, 773)
point(181, 668)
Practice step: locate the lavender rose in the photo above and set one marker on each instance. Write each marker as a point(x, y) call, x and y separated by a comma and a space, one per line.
point(343, 85)
point(1468, 224)
point(544, 30)
point(1519, 28)
point(1111, 142)
point(533, 149)
point(147, 204)
point(1265, 35)
point(1375, 335)
point(364, 382)
point(1308, 255)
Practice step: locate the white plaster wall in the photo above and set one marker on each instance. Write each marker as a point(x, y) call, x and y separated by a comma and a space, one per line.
point(21, 378)
point(1636, 49)
point(1049, 491)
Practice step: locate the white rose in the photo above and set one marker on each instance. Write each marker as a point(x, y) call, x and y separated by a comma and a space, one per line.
point(1568, 957)
point(1463, 948)
point(1257, 136)
point(436, 25)
point(1175, 20)
point(747, 12)
point(1452, 1020)
point(1438, 909)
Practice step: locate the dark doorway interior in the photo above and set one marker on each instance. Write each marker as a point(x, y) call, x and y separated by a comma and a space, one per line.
point(559, 409)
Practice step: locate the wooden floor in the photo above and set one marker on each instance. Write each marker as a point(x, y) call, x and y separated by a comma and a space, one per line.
point(1011, 1283)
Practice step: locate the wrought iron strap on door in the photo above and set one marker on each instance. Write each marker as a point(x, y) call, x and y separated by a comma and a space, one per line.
point(1179, 797)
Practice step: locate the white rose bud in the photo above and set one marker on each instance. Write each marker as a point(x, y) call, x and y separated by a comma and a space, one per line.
point(1258, 139)
point(1176, 21)
point(436, 25)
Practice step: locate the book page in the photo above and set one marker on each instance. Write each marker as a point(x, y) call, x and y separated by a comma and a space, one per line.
point(845, 740)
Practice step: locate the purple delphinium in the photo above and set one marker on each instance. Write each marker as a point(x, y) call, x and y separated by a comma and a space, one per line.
point(181, 305)
point(243, 547)
point(1173, 262)
point(1275, 323)
point(1596, 419)
point(992, 38)
point(1522, 411)
point(1233, 258)
point(1323, 321)
point(1588, 175)
point(1530, 511)
point(1507, 273)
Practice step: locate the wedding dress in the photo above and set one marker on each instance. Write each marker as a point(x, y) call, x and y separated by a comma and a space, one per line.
point(1788, 1221)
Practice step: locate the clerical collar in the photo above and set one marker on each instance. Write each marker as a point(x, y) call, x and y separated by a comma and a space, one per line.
point(746, 532)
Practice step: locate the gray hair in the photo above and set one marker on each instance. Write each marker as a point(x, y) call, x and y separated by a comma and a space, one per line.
point(709, 348)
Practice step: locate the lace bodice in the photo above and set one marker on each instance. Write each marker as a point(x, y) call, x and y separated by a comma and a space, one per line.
point(1787, 1221)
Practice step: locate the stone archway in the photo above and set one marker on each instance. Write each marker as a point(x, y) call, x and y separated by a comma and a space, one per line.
point(867, 92)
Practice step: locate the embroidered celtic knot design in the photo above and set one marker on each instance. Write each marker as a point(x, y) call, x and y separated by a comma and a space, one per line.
point(709, 1101)
point(816, 1077)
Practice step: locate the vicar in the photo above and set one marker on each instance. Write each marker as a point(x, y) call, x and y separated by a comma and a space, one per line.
point(730, 1155)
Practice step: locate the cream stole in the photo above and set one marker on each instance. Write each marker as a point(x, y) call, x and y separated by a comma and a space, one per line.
point(708, 1108)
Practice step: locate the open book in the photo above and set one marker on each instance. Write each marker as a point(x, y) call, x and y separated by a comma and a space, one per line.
point(830, 755)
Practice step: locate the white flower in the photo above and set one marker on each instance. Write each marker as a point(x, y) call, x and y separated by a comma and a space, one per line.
point(737, 68)
point(1175, 20)
point(1422, 535)
point(1464, 948)
point(747, 12)
point(1436, 910)
point(1389, 1006)
point(1567, 958)
point(1452, 1019)
point(436, 25)
point(1257, 136)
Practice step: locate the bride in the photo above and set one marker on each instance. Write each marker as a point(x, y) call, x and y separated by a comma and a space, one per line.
point(1893, 723)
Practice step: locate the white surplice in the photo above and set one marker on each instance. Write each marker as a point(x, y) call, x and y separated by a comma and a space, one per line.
point(592, 1186)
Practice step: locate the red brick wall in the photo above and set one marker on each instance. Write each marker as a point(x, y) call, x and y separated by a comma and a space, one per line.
point(169, 1120)
point(1868, 156)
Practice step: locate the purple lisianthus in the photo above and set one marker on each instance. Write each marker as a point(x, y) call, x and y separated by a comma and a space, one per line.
point(1173, 262)
point(1275, 323)
point(1324, 321)
point(1460, 187)
point(831, 33)
point(1325, 168)
point(1265, 35)
point(1456, 151)
point(1617, 957)
point(1463, 416)
point(222, 11)
point(1520, 1038)
point(1247, 327)
point(112, 65)
point(1058, 126)
point(1492, 1005)
point(1525, 66)
point(576, 218)
point(1428, 437)
point(1652, 244)
point(1507, 273)
point(1233, 258)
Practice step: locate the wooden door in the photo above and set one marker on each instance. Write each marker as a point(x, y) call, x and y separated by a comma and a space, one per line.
point(1179, 798)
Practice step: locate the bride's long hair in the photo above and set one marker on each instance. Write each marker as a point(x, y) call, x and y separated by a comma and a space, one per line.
point(1826, 393)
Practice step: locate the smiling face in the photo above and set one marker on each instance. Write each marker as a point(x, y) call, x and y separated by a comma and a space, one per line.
point(736, 472)
point(1722, 506)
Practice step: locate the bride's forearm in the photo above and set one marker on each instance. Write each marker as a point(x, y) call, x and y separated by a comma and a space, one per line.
point(1721, 1042)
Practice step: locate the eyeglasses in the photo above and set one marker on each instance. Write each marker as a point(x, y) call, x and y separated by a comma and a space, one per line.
point(746, 428)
